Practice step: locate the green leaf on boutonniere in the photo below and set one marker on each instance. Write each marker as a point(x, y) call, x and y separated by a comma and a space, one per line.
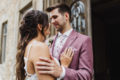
point(50, 41)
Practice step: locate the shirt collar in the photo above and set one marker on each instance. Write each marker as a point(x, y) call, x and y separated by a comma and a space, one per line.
point(67, 33)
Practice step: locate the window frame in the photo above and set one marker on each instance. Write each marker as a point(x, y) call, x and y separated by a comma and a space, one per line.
point(3, 41)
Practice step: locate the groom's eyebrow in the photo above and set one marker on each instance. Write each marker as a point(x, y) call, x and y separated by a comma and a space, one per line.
point(53, 17)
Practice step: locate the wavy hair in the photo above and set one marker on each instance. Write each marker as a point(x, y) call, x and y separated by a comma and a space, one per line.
point(28, 31)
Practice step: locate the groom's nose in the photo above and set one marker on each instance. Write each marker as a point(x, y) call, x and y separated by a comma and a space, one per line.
point(52, 21)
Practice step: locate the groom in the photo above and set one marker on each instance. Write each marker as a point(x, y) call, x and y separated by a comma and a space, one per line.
point(81, 67)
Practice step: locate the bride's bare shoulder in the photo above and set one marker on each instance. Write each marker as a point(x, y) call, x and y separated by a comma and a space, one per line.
point(39, 45)
point(40, 49)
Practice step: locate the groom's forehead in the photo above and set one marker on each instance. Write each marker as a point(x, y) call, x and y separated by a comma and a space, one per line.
point(54, 12)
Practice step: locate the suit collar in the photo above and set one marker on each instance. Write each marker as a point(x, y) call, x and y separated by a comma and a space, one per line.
point(67, 33)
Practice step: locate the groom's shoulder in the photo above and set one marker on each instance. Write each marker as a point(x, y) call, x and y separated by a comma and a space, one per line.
point(81, 36)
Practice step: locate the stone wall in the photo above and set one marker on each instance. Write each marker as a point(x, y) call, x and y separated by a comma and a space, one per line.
point(10, 12)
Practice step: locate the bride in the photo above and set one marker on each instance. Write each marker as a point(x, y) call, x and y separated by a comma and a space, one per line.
point(33, 31)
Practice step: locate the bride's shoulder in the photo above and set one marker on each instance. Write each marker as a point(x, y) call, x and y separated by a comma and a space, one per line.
point(39, 45)
point(39, 48)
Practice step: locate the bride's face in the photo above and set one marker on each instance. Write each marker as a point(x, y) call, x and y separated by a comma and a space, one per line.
point(47, 30)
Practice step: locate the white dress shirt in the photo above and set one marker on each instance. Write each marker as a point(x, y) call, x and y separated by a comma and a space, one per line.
point(59, 43)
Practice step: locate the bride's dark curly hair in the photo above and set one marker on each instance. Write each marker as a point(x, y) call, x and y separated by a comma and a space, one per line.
point(28, 31)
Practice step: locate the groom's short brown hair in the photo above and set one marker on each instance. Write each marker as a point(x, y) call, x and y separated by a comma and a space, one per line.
point(62, 8)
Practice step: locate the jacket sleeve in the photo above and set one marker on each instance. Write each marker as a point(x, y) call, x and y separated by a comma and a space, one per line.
point(85, 67)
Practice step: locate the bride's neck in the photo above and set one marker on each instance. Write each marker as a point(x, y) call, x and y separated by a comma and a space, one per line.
point(40, 38)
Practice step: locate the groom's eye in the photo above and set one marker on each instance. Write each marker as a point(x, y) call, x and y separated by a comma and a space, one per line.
point(54, 17)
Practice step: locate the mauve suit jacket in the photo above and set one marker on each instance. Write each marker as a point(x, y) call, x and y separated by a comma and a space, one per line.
point(81, 67)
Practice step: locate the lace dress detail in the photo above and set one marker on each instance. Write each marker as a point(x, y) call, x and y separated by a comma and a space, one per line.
point(29, 76)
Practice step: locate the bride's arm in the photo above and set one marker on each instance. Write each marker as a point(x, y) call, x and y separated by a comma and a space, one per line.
point(40, 51)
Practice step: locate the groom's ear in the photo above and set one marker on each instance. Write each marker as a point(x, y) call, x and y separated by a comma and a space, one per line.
point(39, 26)
point(66, 16)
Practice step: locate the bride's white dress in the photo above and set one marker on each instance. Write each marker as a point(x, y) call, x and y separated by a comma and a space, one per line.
point(28, 75)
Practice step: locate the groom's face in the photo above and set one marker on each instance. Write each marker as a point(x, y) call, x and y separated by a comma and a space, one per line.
point(57, 19)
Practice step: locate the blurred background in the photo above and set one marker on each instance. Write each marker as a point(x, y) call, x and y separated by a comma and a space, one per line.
point(98, 19)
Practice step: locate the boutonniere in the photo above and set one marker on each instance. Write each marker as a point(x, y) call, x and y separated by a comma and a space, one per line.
point(50, 42)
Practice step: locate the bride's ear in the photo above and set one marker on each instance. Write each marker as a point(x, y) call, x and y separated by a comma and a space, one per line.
point(39, 26)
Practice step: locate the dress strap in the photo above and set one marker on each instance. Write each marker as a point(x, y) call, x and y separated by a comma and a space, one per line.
point(29, 50)
point(29, 47)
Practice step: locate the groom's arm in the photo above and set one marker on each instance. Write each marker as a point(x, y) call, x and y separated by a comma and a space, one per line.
point(85, 67)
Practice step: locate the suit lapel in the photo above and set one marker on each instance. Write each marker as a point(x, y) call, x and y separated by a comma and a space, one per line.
point(54, 44)
point(69, 41)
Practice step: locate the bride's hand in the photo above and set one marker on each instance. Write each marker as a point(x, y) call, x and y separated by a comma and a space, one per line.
point(66, 57)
